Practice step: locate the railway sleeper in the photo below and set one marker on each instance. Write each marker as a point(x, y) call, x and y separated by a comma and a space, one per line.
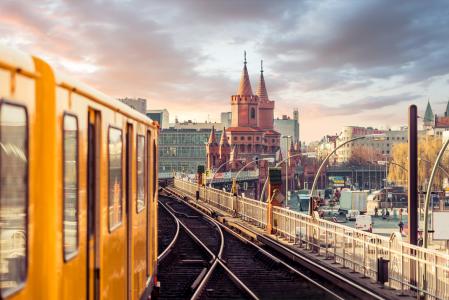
point(194, 262)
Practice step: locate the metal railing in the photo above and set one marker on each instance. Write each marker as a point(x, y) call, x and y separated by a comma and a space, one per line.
point(411, 270)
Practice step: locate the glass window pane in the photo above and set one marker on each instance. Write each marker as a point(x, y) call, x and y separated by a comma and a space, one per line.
point(70, 185)
point(154, 170)
point(140, 173)
point(115, 177)
point(13, 197)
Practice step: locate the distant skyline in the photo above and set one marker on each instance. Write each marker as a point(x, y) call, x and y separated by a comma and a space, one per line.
point(340, 62)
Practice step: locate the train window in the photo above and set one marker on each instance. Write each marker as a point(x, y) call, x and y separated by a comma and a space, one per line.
point(140, 205)
point(115, 152)
point(70, 158)
point(154, 170)
point(13, 197)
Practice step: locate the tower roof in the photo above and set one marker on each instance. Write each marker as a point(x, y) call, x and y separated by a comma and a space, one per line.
point(446, 113)
point(261, 88)
point(245, 85)
point(224, 138)
point(212, 137)
point(428, 116)
point(234, 152)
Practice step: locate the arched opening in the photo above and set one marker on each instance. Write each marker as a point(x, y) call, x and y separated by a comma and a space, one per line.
point(253, 113)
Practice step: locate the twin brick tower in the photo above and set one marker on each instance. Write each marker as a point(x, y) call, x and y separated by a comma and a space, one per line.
point(251, 135)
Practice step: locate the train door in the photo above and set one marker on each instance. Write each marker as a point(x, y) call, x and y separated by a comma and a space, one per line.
point(129, 211)
point(93, 205)
point(149, 205)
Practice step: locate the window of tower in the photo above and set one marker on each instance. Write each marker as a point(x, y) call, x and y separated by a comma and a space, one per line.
point(253, 113)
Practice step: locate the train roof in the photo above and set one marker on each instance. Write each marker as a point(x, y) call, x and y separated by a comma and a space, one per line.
point(23, 62)
point(16, 59)
point(81, 88)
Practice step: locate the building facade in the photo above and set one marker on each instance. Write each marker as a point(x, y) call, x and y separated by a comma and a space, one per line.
point(325, 146)
point(159, 115)
point(375, 149)
point(251, 140)
point(434, 124)
point(287, 126)
point(181, 146)
point(226, 119)
point(251, 134)
point(139, 104)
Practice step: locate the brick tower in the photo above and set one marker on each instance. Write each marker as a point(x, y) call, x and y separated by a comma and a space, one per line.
point(212, 151)
point(225, 149)
point(244, 105)
point(266, 107)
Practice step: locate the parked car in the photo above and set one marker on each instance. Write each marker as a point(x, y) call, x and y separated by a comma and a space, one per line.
point(352, 214)
point(364, 222)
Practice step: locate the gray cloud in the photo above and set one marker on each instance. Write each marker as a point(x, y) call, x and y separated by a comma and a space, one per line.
point(158, 50)
point(360, 106)
point(376, 39)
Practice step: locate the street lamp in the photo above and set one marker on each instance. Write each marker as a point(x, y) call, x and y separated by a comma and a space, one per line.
point(386, 167)
point(315, 180)
point(218, 169)
point(396, 164)
point(234, 180)
point(428, 193)
point(419, 159)
point(439, 166)
point(286, 137)
point(277, 165)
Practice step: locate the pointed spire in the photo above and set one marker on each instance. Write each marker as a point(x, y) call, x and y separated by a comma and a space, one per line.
point(261, 88)
point(224, 138)
point(245, 85)
point(429, 116)
point(446, 113)
point(212, 137)
point(292, 147)
point(280, 158)
point(234, 152)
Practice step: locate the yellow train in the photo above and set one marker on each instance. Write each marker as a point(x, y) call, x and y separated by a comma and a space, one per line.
point(78, 188)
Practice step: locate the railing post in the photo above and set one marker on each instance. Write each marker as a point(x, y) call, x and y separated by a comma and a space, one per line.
point(335, 244)
point(269, 218)
point(364, 256)
point(289, 226)
point(306, 232)
point(376, 253)
point(402, 269)
point(389, 265)
point(344, 248)
point(353, 252)
point(326, 241)
point(318, 238)
point(435, 277)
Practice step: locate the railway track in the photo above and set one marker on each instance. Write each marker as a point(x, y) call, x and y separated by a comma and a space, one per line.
point(187, 264)
point(241, 269)
point(168, 228)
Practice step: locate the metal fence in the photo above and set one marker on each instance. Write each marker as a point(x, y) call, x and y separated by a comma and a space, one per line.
point(411, 269)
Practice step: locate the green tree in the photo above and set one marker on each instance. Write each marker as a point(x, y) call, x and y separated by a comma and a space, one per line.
point(428, 148)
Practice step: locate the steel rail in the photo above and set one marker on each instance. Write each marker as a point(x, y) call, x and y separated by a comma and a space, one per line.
point(330, 272)
point(216, 258)
point(193, 236)
point(175, 238)
point(272, 257)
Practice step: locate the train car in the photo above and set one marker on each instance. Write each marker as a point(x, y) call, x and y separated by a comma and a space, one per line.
point(78, 188)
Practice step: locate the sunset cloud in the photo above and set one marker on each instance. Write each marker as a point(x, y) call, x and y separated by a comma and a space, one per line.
point(348, 62)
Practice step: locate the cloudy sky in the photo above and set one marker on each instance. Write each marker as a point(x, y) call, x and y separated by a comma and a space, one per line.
point(339, 62)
